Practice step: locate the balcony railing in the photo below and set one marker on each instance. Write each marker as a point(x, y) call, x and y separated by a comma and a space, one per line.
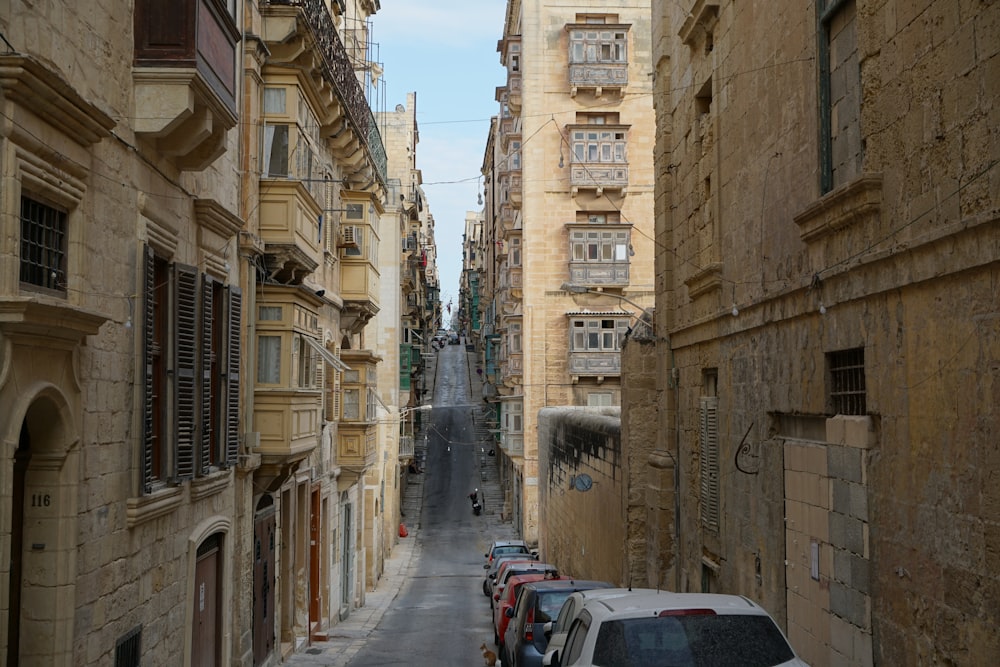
point(339, 72)
point(599, 175)
point(599, 274)
point(597, 75)
point(595, 363)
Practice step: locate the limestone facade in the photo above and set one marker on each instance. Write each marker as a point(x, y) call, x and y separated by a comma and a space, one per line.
point(827, 221)
point(189, 380)
point(569, 203)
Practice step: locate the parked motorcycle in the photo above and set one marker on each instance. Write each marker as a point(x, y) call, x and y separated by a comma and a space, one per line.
point(477, 508)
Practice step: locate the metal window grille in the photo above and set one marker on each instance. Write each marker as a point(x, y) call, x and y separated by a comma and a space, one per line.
point(847, 382)
point(128, 648)
point(43, 245)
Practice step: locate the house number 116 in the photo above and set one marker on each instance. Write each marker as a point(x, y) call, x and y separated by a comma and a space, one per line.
point(41, 499)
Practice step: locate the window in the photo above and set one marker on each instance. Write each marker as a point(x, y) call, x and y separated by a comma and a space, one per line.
point(841, 149)
point(276, 151)
point(599, 246)
point(598, 46)
point(847, 382)
point(515, 251)
point(352, 404)
point(268, 359)
point(190, 372)
point(599, 146)
point(43, 246)
point(308, 373)
point(597, 334)
point(513, 417)
point(600, 398)
point(514, 337)
point(515, 155)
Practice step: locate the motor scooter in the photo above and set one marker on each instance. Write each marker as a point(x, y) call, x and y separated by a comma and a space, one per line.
point(477, 508)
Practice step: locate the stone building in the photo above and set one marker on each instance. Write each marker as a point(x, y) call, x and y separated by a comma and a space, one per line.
point(568, 225)
point(192, 199)
point(827, 198)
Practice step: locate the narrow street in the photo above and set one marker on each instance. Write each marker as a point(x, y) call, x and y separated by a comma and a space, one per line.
point(429, 608)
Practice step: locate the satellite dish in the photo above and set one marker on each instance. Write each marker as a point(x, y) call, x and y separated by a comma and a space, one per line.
point(583, 482)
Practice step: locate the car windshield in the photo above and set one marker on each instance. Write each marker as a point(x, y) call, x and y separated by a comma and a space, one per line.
point(512, 549)
point(549, 604)
point(700, 640)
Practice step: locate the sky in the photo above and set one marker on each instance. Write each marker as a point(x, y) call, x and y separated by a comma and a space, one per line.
point(445, 51)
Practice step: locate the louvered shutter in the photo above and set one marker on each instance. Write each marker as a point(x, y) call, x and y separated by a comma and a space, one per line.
point(709, 461)
point(185, 369)
point(336, 393)
point(205, 443)
point(232, 422)
point(148, 329)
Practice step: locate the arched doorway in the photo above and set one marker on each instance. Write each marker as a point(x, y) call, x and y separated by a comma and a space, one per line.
point(42, 537)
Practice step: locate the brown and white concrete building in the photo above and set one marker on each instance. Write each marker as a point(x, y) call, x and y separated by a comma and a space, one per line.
point(568, 226)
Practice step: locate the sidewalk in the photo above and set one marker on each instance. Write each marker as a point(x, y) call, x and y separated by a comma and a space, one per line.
point(349, 635)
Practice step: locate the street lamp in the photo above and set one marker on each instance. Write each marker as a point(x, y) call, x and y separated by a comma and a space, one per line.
point(569, 288)
point(416, 408)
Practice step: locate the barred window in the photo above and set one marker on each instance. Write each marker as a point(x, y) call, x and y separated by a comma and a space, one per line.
point(847, 382)
point(43, 246)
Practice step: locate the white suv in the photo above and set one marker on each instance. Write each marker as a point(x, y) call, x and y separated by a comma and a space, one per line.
point(654, 628)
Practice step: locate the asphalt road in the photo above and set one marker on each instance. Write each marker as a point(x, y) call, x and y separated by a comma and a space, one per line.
point(440, 616)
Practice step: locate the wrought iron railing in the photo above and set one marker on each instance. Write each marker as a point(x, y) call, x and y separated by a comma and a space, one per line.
point(339, 72)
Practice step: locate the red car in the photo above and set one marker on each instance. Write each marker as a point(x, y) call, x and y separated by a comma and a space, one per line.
point(509, 596)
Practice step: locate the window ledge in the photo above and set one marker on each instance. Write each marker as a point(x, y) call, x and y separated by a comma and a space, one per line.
point(213, 483)
point(848, 205)
point(157, 504)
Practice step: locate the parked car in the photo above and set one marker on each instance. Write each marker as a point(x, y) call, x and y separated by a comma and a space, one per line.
point(504, 609)
point(510, 569)
point(557, 630)
point(649, 627)
point(493, 568)
point(501, 547)
point(537, 603)
point(453, 338)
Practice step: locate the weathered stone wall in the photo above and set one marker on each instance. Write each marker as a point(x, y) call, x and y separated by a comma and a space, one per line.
point(583, 532)
point(766, 273)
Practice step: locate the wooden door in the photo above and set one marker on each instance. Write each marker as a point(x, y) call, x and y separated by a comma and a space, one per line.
point(263, 585)
point(315, 593)
point(205, 643)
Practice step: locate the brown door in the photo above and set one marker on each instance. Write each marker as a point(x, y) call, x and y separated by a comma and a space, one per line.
point(205, 634)
point(315, 595)
point(263, 584)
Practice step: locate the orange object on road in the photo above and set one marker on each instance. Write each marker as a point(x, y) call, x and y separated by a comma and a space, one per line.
point(402, 530)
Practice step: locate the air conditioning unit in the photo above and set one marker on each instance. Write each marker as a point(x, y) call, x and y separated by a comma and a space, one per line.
point(349, 236)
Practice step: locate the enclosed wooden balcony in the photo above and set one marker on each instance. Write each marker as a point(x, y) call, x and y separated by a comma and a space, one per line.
point(301, 34)
point(289, 228)
point(184, 76)
point(357, 431)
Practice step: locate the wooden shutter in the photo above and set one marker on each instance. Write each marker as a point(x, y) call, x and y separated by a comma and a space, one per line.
point(232, 368)
point(709, 461)
point(205, 443)
point(148, 331)
point(185, 368)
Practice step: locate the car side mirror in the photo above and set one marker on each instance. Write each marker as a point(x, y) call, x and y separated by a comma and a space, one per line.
point(509, 612)
point(486, 567)
point(547, 629)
